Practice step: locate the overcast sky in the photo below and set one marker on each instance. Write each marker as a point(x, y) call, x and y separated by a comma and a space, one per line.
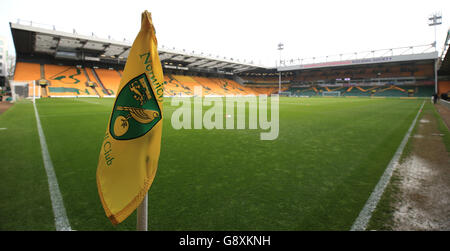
point(246, 29)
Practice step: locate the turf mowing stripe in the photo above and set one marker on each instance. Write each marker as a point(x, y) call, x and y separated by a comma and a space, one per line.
point(61, 220)
point(364, 216)
point(87, 101)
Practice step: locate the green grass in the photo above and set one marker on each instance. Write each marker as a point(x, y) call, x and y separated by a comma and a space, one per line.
point(442, 128)
point(383, 216)
point(24, 195)
point(317, 175)
point(408, 147)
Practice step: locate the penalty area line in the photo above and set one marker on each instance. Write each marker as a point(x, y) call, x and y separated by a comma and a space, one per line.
point(364, 216)
point(59, 211)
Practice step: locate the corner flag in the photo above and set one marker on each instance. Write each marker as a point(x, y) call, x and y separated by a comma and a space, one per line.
point(130, 151)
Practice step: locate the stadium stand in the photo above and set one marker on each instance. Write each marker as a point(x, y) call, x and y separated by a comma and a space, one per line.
point(390, 91)
point(93, 85)
point(444, 87)
point(303, 91)
point(186, 82)
point(225, 88)
point(98, 86)
point(109, 78)
point(78, 81)
point(208, 86)
point(239, 89)
point(406, 79)
point(65, 81)
point(98, 73)
point(265, 90)
point(173, 87)
point(184, 85)
point(27, 71)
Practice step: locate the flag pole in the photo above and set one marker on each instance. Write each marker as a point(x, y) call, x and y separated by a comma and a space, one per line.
point(142, 212)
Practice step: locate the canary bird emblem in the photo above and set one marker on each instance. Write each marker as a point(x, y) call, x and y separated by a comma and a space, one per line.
point(136, 110)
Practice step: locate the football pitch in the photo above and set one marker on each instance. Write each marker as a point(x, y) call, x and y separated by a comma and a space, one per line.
point(317, 175)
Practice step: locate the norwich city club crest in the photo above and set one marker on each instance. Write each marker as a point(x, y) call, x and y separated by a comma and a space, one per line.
point(136, 110)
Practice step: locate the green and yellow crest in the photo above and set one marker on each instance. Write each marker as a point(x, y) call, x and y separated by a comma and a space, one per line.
point(136, 110)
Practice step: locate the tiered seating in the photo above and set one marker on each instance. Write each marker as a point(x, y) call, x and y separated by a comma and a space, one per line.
point(66, 81)
point(425, 91)
point(242, 90)
point(110, 79)
point(184, 85)
point(171, 88)
point(73, 81)
point(366, 72)
point(209, 87)
point(27, 72)
point(174, 88)
point(420, 91)
point(391, 91)
point(340, 89)
point(226, 88)
point(444, 88)
point(424, 70)
point(357, 91)
point(97, 86)
point(362, 89)
point(367, 91)
point(185, 82)
point(304, 91)
point(264, 90)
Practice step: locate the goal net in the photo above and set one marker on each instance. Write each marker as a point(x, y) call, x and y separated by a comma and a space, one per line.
point(331, 93)
point(285, 94)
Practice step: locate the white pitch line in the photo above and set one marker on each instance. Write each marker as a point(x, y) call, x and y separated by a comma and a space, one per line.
point(364, 216)
point(59, 211)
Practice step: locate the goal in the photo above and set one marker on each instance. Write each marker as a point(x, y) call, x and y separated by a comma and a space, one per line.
point(331, 93)
point(25, 90)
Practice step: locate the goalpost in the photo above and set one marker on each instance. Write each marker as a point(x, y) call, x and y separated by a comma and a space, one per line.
point(331, 93)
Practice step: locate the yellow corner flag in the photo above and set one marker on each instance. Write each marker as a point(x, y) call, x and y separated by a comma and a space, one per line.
point(130, 151)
